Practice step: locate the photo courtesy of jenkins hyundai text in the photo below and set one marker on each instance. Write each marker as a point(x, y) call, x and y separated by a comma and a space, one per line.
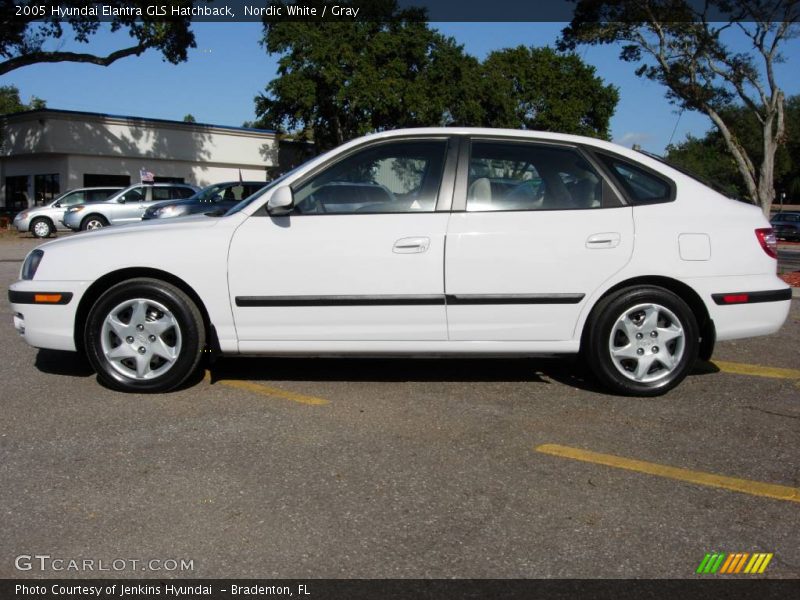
point(439, 242)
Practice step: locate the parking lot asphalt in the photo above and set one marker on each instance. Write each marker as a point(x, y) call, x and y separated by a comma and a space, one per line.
point(310, 468)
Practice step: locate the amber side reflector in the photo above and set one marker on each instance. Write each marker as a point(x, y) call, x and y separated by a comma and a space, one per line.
point(736, 298)
point(47, 298)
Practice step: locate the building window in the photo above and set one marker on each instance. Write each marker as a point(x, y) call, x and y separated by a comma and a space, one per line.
point(17, 192)
point(93, 180)
point(45, 188)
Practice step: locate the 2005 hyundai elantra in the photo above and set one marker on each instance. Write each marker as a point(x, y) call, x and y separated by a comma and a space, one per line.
point(423, 242)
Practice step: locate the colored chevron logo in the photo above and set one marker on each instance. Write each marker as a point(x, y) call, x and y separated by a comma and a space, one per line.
point(734, 563)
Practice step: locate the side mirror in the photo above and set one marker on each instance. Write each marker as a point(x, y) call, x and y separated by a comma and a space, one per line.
point(121, 200)
point(57, 205)
point(281, 202)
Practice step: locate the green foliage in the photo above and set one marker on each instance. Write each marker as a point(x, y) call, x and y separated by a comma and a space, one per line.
point(24, 40)
point(709, 157)
point(339, 80)
point(189, 118)
point(10, 101)
point(538, 88)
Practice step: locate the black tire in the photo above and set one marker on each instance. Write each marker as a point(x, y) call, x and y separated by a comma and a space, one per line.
point(661, 378)
point(187, 334)
point(93, 222)
point(41, 227)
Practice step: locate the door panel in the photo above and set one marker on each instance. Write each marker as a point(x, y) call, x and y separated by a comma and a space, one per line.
point(539, 235)
point(539, 265)
point(338, 277)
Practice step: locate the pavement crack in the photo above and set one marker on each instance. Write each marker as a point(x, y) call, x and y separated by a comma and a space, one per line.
point(770, 412)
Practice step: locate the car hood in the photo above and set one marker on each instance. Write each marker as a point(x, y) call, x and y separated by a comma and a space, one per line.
point(143, 229)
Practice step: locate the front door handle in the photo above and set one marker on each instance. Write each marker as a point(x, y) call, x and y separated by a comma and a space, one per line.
point(598, 241)
point(411, 245)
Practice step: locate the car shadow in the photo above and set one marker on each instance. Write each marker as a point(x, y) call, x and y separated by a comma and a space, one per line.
point(566, 371)
point(57, 362)
point(535, 370)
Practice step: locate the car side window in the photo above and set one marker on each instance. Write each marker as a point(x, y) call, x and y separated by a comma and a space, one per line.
point(520, 176)
point(249, 190)
point(162, 193)
point(641, 186)
point(134, 195)
point(234, 193)
point(73, 198)
point(182, 192)
point(96, 195)
point(396, 177)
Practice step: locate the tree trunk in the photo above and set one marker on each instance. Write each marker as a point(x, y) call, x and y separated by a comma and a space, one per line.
point(766, 174)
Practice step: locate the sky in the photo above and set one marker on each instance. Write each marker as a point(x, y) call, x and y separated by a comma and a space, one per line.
point(229, 68)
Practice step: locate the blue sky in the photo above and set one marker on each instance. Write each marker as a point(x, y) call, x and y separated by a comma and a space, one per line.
point(229, 68)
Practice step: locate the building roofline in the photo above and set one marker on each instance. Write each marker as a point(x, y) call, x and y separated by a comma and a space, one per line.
point(46, 111)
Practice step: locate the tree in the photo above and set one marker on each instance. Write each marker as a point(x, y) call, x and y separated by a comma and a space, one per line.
point(24, 39)
point(341, 79)
point(189, 118)
point(680, 44)
point(10, 101)
point(538, 88)
point(709, 157)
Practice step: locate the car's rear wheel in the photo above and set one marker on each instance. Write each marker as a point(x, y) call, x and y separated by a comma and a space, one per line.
point(41, 228)
point(642, 341)
point(93, 222)
point(144, 335)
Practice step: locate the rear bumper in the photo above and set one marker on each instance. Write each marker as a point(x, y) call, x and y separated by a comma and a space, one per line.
point(745, 306)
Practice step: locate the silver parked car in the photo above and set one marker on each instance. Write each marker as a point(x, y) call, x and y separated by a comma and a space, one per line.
point(127, 206)
point(42, 221)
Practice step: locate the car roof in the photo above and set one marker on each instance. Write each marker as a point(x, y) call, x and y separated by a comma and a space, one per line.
point(237, 183)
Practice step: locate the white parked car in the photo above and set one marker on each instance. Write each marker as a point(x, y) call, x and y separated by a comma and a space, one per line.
point(423, 242)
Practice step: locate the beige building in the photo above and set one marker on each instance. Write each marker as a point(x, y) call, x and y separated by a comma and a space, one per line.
point(46, 152)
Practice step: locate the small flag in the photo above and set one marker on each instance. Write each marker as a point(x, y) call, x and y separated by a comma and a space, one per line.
point(146, 176)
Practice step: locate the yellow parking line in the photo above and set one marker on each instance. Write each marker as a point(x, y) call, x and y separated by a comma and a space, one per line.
point(746, 486)
point(757, 370)
point(266, 390)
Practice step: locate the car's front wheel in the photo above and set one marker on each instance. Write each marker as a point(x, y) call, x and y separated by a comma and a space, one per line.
point(41, 228)
point(144, 335)
point(93, 222)
point(642, 341)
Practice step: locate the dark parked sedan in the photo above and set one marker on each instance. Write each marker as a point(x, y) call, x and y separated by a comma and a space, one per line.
point(218, 197)
point(787, 226)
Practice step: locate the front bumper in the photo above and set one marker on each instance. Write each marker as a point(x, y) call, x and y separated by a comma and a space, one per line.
point(22, 225)
point(49, 324)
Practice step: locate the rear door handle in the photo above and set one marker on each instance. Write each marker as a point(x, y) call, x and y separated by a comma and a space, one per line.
point(599, 241)
point(411, 245)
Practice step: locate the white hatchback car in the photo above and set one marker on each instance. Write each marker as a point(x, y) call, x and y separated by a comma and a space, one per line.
point(423, 242)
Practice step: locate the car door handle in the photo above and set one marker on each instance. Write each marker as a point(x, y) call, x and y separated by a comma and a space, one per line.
point(411, 245)
point(598, 241)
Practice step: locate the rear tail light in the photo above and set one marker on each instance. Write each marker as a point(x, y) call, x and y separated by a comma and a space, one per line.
point(766, 237)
